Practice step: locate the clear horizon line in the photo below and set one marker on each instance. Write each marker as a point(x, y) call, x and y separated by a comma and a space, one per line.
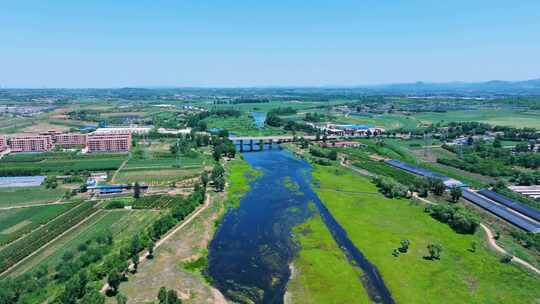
point(260, 86)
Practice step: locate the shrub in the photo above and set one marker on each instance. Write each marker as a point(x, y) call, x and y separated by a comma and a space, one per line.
point(460, 219)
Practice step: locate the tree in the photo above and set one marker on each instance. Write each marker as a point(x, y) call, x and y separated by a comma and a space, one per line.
point(219, 183)
point(404, 245)
point(93, 297)
point(332, 155)
point(172, 297)
point(497, 143)
point(135, 261)
point(121, 299)
point(455, 194)
point(506, 259)
point(218, 177)
point(437, 186)
point(204, 178)
point(162, 295)
point(150, 248)
point(136, 190)
point(473, 246)
point(434, 251)
point(113, 279)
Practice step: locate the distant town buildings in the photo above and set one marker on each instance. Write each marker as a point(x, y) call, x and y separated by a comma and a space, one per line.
point(350, 130)
point(114, 141)
point(174, 131)
point(342, 144)
point(122, 130)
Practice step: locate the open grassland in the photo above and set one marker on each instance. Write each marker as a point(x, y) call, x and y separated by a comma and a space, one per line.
point(23, 196)
point(322, 272)
point(16, 222)
point(388, 121)
point(376, 225)
point(501, 117)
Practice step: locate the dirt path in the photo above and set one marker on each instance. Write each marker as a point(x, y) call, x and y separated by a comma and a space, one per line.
point(490, 240)
point(50, 242)
point(58, 202)
point(118, 170)
point(496, 247)
point(217, 296)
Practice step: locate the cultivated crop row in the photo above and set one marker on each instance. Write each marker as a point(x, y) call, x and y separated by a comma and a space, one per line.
point(18, 250)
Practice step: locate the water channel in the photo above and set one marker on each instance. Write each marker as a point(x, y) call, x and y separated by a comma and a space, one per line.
point(259, 118)
point(250, 254)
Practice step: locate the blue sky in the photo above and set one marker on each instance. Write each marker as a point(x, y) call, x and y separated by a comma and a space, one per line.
point(97, 43)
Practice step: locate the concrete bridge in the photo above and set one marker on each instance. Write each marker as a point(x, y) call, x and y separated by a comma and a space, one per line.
point(261, 141)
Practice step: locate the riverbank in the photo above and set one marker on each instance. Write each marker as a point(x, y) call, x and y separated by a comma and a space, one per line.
point(376, 225)
point(180, 261)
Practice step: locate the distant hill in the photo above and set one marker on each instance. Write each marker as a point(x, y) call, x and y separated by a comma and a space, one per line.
point(493, 87)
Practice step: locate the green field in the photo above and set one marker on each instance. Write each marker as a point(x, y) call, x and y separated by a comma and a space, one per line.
point(389, 121)
point(122, 223)
point(16, 222)
point(501, 117)
point(28, 196)
point(155, 176)
point(376, 225)
point(242, 125)
point(322, 273)
point(163, 163)
point(61, 162)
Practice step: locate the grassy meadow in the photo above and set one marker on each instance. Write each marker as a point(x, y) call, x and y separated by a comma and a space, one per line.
point(322, 272)
point(501, 117)
point(376, 225)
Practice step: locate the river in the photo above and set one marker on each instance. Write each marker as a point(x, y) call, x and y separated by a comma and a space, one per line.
point(250, 254)
point(259, 118)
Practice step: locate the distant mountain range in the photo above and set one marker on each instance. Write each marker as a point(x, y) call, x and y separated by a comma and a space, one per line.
point(494, 87)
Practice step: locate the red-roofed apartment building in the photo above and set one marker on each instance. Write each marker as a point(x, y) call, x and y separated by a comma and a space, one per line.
point(69, 140)
point(108, 142)
point(3, 143)
point(30, 143)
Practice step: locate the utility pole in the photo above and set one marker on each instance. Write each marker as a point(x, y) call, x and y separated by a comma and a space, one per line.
point(178, 152)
